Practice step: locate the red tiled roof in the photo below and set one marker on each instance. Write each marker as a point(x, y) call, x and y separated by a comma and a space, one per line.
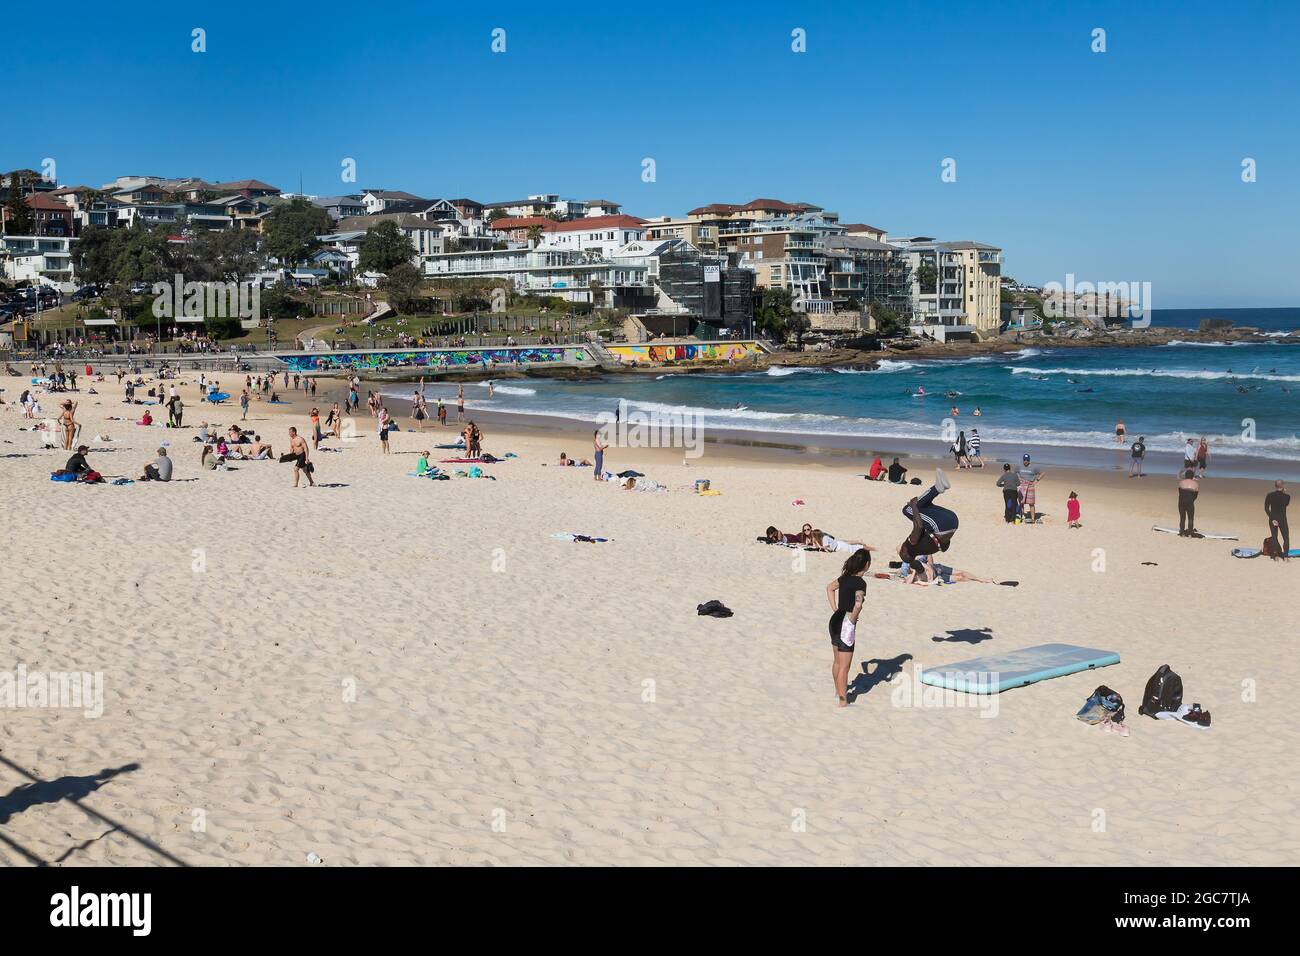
point(521, 222)
point(594, 222)
point(713, 208)
point(40, 201)
point(573, 225)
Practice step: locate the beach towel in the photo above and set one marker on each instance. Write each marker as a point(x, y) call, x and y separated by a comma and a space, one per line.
point(1178, 715)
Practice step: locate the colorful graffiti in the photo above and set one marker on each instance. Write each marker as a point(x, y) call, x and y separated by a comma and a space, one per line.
point(700, 352)
point(449, 359)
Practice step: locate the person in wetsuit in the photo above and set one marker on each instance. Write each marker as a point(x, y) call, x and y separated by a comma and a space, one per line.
point(1188, 489)
point(1275, 503)
point(933, 527)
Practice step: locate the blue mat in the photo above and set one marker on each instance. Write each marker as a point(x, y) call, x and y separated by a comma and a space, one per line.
point(999, 672)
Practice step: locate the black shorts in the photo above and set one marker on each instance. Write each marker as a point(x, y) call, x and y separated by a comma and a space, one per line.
point(835, 626)
point(383, 436)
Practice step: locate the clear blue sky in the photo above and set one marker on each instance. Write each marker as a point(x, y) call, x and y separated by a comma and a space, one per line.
point(1123, 165)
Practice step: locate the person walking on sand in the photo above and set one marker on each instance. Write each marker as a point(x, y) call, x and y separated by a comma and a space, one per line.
point(1189, 455)
point(1138, 452)
point(243, 404)
point(1072, 511)
point(316, 435)
point(460, 403)
point(1275, 503)
point(338, 420)
point(442, 412)
point(1188, 490)
point(301, 458)
point(598, 446)
point(846, 595)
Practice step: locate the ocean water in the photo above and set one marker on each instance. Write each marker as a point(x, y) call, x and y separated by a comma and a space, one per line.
point(1244, 398)
point(1266, 320)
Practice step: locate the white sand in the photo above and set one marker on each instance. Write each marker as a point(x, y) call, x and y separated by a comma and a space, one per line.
point(520, 699)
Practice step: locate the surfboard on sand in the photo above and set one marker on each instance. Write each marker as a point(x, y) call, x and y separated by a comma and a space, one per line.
point(1256, 552)
point(1196, 534)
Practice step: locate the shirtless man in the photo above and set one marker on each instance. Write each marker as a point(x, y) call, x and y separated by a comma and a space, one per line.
point(301, 457)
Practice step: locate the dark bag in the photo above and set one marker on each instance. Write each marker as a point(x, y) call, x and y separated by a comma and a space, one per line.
point(1164, 692)
point(713, 609)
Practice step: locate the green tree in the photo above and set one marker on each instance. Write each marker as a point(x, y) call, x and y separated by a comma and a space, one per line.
point(224, 255)
point(926, 277)
point(774, 312)
point(278, 303)
point(403, 286)
point(146, 255)
point(888, 321)
point(18, 215)
point(95, 253)
point(292, 228)
point(384, 247)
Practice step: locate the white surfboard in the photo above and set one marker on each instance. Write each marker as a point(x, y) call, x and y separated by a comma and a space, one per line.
point(1198, 534)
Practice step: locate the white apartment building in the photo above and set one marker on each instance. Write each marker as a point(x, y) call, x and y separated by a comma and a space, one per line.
point(956, 286)
point(598, 236)
point(39, 259)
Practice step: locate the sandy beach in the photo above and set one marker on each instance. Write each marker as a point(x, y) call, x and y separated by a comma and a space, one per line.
point(391, 670)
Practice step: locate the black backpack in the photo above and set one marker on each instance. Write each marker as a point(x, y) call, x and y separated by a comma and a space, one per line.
point(1164, 692)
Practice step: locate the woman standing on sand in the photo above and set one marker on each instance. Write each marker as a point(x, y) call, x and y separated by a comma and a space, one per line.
point(1202, 457)
point(598, 447)
point(68, 422)
point(845, 595)
point(384, 422)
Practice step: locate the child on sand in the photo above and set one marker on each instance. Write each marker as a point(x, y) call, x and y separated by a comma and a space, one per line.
point(1072, 510)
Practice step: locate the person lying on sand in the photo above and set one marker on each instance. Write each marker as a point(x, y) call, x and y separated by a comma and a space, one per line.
point(825, 541)
point(567, 462)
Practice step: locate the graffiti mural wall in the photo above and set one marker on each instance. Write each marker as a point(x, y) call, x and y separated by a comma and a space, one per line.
point(450, 359)
point(699, 352)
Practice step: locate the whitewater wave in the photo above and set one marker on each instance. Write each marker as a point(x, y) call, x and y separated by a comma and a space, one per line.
point(781, 371)
point(890, 365)
point(1204, 375)
point(809, 425)
point(1180, 343)
point(509, 389)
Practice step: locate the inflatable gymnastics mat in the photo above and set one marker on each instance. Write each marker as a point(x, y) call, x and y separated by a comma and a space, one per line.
point(999, 672)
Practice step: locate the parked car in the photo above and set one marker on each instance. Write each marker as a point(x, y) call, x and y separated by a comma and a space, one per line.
point(86, 292)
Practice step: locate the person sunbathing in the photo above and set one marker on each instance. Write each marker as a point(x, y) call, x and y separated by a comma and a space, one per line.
point(775, 536)
point(258, 449)
point(825, 541)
